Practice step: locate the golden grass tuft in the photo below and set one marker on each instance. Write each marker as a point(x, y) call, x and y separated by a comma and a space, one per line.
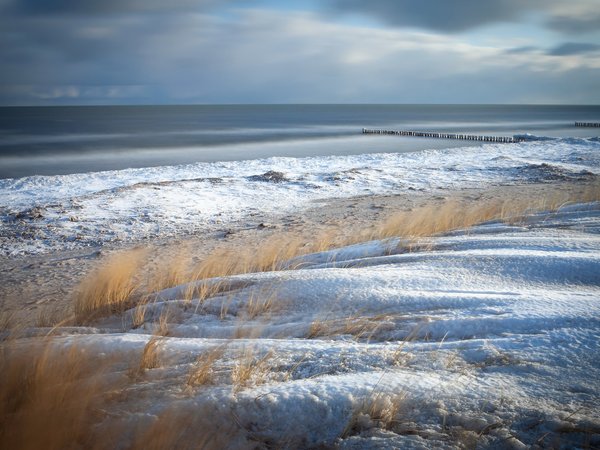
point(250, 369)
point(220, 262)
point(380, 409)
point(150, 357)
point(173, 269)
point(138, 315)
point(51, 395)
point(271, 254)
point(176, 428)
point(276, 250)
point(202, 371)
point(360, 327)
point(49, 317)
point(8, 324)
point(454, 214)
point(434, 219)
point(108, 289)
point(201, 290)
point(260, 303)
point(161, 328)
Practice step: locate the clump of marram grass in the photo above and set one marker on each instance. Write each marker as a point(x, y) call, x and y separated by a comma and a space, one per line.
point(52, 395)
point(250, 369)
point(109, 289)
point(359, 327)
point(260, 303)
point(172, 270)
point(49, 317)
point(199, 290)
point(380, 409)
point(8, 324)
point(267, 256)
point(433, 219)
point(202, 371)
point(161, 328)
point(430, 220)
point(138, 314)
point(150, 357)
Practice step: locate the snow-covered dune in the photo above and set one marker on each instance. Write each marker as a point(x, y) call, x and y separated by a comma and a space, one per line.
point(489, 338)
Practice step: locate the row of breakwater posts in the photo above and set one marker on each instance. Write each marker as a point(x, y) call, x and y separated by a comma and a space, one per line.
point(588, 124)
point(464, 137)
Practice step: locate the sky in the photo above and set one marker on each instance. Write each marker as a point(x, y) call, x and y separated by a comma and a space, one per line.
point(56, 52)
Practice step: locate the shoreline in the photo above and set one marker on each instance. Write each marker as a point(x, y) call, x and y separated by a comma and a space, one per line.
point(32, 284)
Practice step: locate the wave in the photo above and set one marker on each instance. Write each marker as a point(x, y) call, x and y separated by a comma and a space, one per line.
point(533, 137)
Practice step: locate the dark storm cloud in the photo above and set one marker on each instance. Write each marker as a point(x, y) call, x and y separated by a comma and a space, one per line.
point(574, 48)
point(524, 49)
point(104, 6)
point(443, 15)
point(132, 51)
point(575, 25)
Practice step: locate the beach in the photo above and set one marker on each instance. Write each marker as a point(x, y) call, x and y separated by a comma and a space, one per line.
point(36, 283)
point(437, 298)
point(477, 336)
point(301, 225)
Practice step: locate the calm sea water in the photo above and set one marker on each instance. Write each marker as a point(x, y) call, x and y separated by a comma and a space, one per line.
point(62, 140)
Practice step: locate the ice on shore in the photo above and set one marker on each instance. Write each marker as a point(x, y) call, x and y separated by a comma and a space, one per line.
point(491, 338)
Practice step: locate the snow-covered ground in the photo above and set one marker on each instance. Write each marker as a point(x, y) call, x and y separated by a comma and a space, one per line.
point(490, 338)
point(55, 213)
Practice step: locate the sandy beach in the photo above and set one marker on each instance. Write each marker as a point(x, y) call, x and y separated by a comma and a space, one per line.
point(320, 225)
point(36, 284)
point(483, 335)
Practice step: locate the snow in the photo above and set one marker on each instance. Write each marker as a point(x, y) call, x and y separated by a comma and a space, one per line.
point(91, 209)
point(484, 337)
point(491, 338)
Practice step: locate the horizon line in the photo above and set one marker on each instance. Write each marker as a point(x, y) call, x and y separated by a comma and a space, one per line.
point(92, 105)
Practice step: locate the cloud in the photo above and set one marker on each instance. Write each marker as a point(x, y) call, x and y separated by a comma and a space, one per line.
point(262, 56)
point(443, 15)
point(88, 7)
point(574, 48)
point(452, 16)
point(523, 49)
point(575, 24)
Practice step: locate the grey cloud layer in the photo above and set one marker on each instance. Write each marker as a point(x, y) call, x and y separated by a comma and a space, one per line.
point(574, 48)
point(266, 56)
point(564, 49)
point(462, 15)
point(25, 7)
point(575, 25)
point(445, 15)
point(442, 15)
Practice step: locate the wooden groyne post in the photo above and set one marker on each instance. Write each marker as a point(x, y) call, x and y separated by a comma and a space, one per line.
point(588, 124)
point(428, 134)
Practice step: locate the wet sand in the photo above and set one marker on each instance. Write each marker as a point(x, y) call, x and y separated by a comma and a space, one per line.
point(31, 285)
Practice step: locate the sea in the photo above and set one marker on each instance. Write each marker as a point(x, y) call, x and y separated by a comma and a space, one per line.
point(73, 178)
point(80, 139)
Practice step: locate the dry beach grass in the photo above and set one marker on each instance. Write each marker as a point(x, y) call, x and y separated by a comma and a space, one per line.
point(39, 288)
point(111, 287)
point(64, 392)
